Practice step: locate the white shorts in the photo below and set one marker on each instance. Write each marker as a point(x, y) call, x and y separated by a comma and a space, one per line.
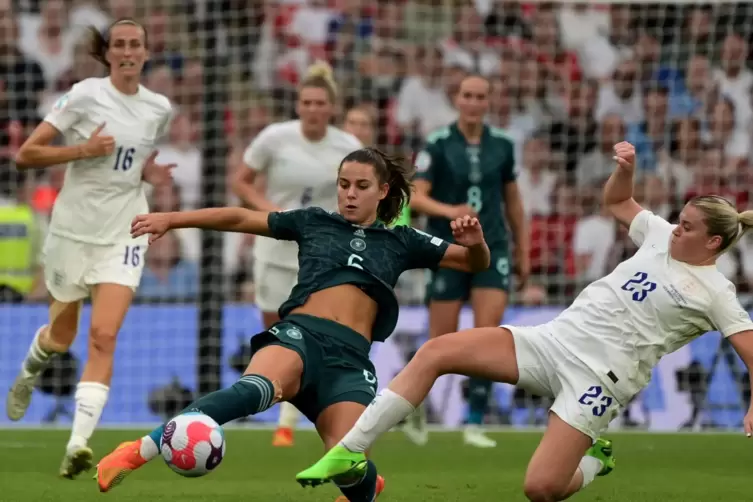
point(547, 369)
point(273, 285)
point(72, 267)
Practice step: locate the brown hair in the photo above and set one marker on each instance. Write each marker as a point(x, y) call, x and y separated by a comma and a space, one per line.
point(394, 171)
point(319, 75)
point(99, 42)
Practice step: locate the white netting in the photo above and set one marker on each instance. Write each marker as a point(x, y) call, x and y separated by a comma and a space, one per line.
point(569, 81)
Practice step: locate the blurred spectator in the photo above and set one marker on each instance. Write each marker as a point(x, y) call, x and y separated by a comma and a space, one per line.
point(311, 22)
point(604, 52)
point(161, 79)
point(679, 160)
point(622, 95)
point(561, 64)
point(190, 95)
point(581, 23)
point(49, 39)
point(425, 101)
point(536, 181)
point(692, 98)
point(359, 121)
point(181, 150)
point(650, 134)
point(21, 86)
point(575, 135)
point(506, 20)
point(725, 134)
point(167, 276)
point(159, 24)
point(467, 48)
point(506, 112)
point(597, 165)
point(734, 79)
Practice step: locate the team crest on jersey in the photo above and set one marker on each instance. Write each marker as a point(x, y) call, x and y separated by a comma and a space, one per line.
point(423, 162)
point(294, 333)
point(60, 103)
point(358, 244)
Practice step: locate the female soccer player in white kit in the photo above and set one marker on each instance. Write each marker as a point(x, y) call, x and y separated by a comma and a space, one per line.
point(110, 126)
point(298, 159)
point(596, 354)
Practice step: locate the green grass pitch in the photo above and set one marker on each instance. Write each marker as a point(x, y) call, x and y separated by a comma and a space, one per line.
point(650, 467)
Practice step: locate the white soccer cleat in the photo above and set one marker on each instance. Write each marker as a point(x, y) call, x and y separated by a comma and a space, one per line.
point(76, 460)
point(19, 396)
point(474, 436)
point(415, 429)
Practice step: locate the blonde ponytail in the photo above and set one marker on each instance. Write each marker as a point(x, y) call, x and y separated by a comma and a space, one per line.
point(321, 76)
point(746, 221)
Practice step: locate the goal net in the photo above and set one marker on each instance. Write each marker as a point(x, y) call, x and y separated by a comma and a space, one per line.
point(568, 81)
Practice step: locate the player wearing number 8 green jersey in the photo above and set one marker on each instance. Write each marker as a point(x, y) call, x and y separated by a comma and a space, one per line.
point(465, 168)
point(317, 356)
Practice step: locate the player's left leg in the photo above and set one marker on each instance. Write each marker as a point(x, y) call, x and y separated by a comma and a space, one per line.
point(482, 352)
point(565, 462)
point(110, 303)
point(363, 484)
point(488, 308)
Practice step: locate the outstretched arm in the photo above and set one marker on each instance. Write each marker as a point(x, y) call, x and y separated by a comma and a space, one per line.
point(224, 219)
point(472, 254)
point(618, 192)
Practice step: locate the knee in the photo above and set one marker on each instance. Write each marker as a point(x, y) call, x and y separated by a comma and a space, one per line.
point(543, 489)
point(102, 339)
point(432, 356)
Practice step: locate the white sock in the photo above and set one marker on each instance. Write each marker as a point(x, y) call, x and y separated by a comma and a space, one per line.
point(90, 401)
point(36, 358)
point(149, 449)
point(289, 415)
point(386, 411)
point(590, 467)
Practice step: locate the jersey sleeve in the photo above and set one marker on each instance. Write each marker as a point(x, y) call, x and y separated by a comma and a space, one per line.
point(646, 226)
point(424, 250)
point(727, 315)
point(167, 121)
point(69, 108)
point(288, 225)
point(259, 153)
point(427, 162)
point(509, 166)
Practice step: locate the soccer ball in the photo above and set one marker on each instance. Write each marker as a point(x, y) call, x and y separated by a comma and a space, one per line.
point(193, 444)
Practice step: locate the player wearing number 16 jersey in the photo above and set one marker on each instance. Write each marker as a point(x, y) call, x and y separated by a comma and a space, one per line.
point(297, 160)
point(110, 126)
point(469, 168)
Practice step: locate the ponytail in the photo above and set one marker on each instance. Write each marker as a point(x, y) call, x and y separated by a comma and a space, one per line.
point(320, 76)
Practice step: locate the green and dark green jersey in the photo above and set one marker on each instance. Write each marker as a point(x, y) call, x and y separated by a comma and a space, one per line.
point(461, 173)
point(333, 251)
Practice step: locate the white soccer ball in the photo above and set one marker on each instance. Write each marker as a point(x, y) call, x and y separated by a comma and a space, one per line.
point(193, 444)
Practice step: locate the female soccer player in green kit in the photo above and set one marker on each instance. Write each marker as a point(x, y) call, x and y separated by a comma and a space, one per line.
point(469, 167)
point(317, 356)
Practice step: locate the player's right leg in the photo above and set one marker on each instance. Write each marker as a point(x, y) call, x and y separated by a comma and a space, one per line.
point(482, 352)
point(565, 462)
point(274, 374)
point(51, 339)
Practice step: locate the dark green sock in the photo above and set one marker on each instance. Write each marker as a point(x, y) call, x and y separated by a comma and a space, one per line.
point(478, 400)
point(249, 395)
point(363, 490)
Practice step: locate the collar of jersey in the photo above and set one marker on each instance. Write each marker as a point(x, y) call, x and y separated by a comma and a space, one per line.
point(377, 223)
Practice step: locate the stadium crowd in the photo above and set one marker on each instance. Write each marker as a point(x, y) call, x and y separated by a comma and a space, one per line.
point(569, 80)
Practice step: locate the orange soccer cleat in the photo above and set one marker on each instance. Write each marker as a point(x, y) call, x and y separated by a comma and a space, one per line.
point(379, 489)
point(283, 437)
point(113, 468)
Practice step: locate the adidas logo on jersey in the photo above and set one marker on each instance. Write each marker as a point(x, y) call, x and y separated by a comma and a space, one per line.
point(359, 233)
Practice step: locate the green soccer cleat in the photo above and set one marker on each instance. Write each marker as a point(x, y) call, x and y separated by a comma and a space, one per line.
point(602, 450)
point(337, 462)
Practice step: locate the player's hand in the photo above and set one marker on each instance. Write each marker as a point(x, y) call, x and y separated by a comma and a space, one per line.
point(748, 422)
point(467, 231)
point(624, 155)
point(460, 211)
point(157, 174)
point(522, 266)
point(98, 144)
point(154, 224)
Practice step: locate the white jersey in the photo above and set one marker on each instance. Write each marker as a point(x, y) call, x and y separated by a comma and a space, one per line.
point(100, 196)
point(649, 306)
point(299, 173)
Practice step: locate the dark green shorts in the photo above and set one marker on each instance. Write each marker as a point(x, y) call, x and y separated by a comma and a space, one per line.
point(336, 365)
point(449, 285)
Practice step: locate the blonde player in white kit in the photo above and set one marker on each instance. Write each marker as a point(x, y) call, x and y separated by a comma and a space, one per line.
point(298, 160)
point(598, 353)
point(110, 126)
